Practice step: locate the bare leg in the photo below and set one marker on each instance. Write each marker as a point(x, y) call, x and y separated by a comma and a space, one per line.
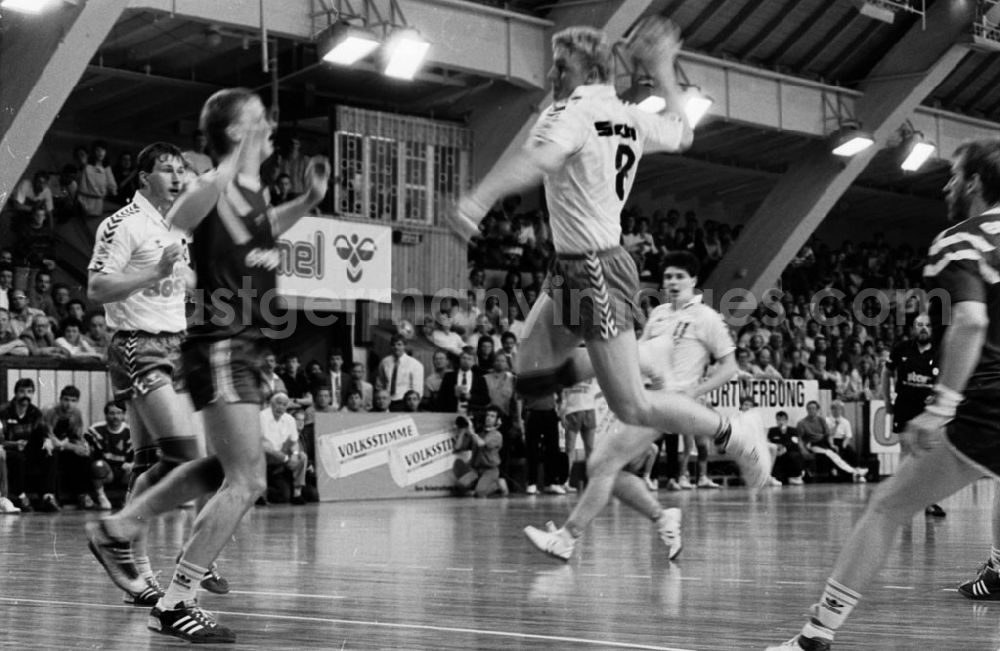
point(632, 490)
point(996, 514)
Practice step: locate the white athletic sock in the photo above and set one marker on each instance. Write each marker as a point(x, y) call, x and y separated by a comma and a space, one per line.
point(144, 566)
point(832, 610)
point(184, 584)
point(994, 557)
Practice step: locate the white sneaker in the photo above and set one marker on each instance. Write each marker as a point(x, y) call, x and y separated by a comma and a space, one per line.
point(554, 542)
point(669, 529)
point(795, 481)
point(554, 489)
point(705, 482)
point(672, 485)
point(652, 484)
point(6, 506)
point(685, 483)
point(773, 481)
point(859, 478)
point(748, 445)
point(531, 489)
point(794, 645)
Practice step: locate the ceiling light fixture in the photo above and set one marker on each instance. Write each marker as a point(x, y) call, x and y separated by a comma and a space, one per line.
point(344, 44)
point(405, 52)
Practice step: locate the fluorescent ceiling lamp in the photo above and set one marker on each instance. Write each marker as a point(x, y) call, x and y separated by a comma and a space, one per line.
point(878, 10)
point(26, 6)
point(652, 104)
point(920, 153)
point(852, 142)
point(696, 106)
point(345, 44)
point(405, 53)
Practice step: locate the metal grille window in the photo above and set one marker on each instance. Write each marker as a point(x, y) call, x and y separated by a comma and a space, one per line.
point(398, 168)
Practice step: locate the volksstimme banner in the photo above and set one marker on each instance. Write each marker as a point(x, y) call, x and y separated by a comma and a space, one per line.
point(323, 257)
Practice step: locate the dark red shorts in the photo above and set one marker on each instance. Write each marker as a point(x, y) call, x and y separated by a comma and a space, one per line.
point(227, 370)
point(975, 431)
point(594, 293)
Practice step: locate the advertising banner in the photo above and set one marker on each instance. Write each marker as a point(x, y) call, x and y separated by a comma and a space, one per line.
point(882, 441)
point(323, 257)
point(771, 396)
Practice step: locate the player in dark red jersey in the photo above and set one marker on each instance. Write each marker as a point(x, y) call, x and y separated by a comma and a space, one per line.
point(956, 438)
point(912, 369)
point(235, 256)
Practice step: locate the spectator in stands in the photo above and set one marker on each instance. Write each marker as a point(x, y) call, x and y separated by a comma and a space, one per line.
point(438, 332)
point(282, 451)
point(827, 379)
point(295, 380)
point(746, 369)
point(21, 314)
point(293, 164)
point(337, 379)
point(6, 283)
point(40, 340)
point(399, 373)
point(34, 241)
point(197, 158)
point(508, 345)
point(281, 191)
point(353, 402)
point(501, 389)
point(841, 433)
point(485, 355)
point(464, 388)
point(271, 384)
point(816, 437)
point(65, 425)
point(60, 303)
point(6, 506)
point(322, 404)
point(40, 296)
point(97, 334)
point(74, 343)
point(767, 369)
point(382, 401)
point(31, 466)
point(357, 382)
point(579, 419)
point(64, 194)
point(515, 319)
point(127, 177)
point(10, 344)
point(32, 193)
point(432, 383)
point(541, 439)
point(483, 328)
point(96, 182)
point(788, 452)
point(6, 257)
point(76, 309)
point(482, 474)
point(849, 383)
point(110, 441)
point(411, 401)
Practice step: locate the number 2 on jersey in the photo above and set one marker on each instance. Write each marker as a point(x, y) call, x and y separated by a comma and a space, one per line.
point(624, 160)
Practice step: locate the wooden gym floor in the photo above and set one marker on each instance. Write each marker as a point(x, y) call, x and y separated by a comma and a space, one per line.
point(457, 574)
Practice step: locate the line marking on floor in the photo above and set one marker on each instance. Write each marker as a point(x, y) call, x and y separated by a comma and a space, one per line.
point(289, 594)
point(458, 569)
point(795, 582)
point(608, 644)
point(898, 587)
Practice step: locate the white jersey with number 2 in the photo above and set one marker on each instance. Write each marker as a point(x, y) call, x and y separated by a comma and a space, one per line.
point(604, 138)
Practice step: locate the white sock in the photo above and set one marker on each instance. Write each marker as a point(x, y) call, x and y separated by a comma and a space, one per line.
point(832, 610)
point(184, 584)
point(144, 566)
point(994, 557)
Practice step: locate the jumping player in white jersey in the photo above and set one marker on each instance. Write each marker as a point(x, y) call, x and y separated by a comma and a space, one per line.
point(234, 236)
point(684, 337)
point(140, 272)
point(585, 148)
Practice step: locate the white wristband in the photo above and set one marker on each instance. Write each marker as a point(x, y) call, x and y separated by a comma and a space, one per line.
point(946, 401)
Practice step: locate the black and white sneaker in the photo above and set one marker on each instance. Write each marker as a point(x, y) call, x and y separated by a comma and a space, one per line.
point(215, 582)
point(117, 558)
point(148, 597)
point(189, 622)
point(985, 587)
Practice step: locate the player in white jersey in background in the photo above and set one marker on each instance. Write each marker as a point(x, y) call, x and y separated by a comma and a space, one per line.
point(139, 271)
point(585, 148)
point(683, 338)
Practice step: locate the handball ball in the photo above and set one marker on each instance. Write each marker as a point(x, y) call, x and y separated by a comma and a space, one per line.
point(101, 471)
point(405, 328)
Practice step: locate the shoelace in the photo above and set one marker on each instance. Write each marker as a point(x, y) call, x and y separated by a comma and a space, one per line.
point(203, 617)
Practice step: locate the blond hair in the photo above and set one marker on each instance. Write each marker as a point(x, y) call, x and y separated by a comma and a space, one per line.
point(590, 44)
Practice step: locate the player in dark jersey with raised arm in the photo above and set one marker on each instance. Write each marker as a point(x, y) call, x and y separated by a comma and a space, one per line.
point(234, 231)
point(956, 439)
point(912, 368)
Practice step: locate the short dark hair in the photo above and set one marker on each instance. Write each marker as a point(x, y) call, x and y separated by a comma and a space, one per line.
point(335, 352)
point(396, 338)
point(69, 391)
point(71, 322)
point(494, 410)
point(219, 112)
point(982, 157)
point(508, 335)
point(682, 260)
point(99, 144)
point(24, 383)
point(812, 402)
point(75, 301)
point(120, 404)
point(781, 414)
point(41, 175)
point(152, 154)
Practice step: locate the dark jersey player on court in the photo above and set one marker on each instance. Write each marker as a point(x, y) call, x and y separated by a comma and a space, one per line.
point(234, 232)
point(956, 438)
point(913, 369)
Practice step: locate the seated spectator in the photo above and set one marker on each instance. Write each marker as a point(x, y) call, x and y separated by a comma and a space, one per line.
point(788, 452)
point(40, 340)
point(65, 426)
point(281, 191)
point(40, 296)
point(284, 456)
point(76, 309)
point(96, 182)
point(322, 403)
point(110, 441)
point(381, 403)
point(508, 345)
point(60, 303)
point(411, 401)
point(746, 370)
point(515, 319)
point(816, 437)
point(399, 373)
point(31, 466)
point(358, 383)
point(438, 332)
point(10, 343)
point(850, 386)
point(767, 369)
point(32, 193)
point(97, 334)
point(74, 343)
point(64, 194)
point(296, 382)
point(355, 402)
point(463, 389)
point(827, 378)
point(338, 379)
point(6, 283)
point(841, 433)
point(482, 473)
point(485, 355)
point(432, 383)
point(483, 328)
point(317, 376)
point(271, 384)
point(34, 242)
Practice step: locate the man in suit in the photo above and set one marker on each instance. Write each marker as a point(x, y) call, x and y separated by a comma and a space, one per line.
point(358, 383)
point(399, 373)
point(339, 379)
point(463, 388)
point(789, 461)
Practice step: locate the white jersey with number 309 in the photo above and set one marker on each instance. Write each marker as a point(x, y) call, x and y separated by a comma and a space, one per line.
point(132, 240)
point(604, 138)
